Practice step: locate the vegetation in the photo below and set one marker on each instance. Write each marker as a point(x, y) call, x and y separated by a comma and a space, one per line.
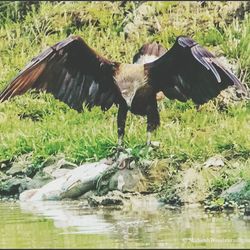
point(40, 124)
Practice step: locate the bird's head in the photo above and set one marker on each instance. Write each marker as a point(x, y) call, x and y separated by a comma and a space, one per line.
point(129, 78)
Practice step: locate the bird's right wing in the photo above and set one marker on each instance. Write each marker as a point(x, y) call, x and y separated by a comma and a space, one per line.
point(72, 72)
point(189, 71)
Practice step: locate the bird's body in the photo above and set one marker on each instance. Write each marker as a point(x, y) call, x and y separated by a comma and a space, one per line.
point(137, 96)
point(130, 79)
point(75, 74)
point(135, 90)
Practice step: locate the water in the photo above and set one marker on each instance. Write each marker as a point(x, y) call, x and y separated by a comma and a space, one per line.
point(142, 225)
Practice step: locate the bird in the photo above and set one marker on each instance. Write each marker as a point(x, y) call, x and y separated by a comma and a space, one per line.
point(77, 75)
point(149, 52)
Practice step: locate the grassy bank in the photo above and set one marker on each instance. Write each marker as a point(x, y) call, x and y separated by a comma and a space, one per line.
point(44, 126)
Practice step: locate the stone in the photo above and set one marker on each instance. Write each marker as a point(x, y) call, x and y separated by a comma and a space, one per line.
point(41, 179)
point(234, 189)
point(107, 161)
point(60, 164)
point(83, 179)
point(21, 165)
point(3, 176)
point(27, 195)
point(5, 164)
point(59, 172)
point(215, 161)
point(16, 169)
point(50, 191)
point(191, 188)
point(71, 185)
point(131, 201)
point(113, 198)
point(247, 210)
point(128, 180)
point(15, 185)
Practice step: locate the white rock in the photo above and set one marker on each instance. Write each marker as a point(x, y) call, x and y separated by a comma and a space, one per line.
point(73, 184)
point(215, 161)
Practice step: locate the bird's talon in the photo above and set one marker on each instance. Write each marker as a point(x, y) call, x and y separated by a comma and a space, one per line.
point(122, 164)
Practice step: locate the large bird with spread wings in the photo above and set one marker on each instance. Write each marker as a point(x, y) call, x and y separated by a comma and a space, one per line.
point(75, 74)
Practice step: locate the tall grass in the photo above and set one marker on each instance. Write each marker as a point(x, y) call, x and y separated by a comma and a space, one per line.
point(45, 126)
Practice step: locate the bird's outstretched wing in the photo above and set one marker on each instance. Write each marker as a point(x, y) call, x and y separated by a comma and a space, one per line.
point(189, 71)
point(72, 72)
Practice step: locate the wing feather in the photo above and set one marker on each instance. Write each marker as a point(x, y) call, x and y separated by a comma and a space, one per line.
point(70, 70)
point(189, 71)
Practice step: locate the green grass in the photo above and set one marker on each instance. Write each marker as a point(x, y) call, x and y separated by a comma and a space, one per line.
point(44, 126)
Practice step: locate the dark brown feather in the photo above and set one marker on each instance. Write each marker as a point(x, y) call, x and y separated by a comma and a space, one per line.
point(189, 71)
point(67, 70)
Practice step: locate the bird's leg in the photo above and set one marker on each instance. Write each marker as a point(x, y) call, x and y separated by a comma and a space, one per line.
point(121, 121)
point(148, 138)
point(153, 121)
point(120, 141)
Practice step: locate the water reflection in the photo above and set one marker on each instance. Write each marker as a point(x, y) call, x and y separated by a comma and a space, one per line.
point(71, 224)
point(69, 215)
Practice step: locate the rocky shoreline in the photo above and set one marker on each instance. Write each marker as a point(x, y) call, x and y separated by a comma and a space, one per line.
point(115, 183)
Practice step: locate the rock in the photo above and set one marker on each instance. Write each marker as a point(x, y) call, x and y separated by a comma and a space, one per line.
point(229, 205)
point(171, 207)
point(125, 176)
point(189, 187)
point(27, 195)
point(107, 161)
point(21, 165)
point(5, 164)
point(50, 191)
point(75, 183)
point(16, 169)
point(215, 161)
point(59, 172)
point(14, 186)
point(82, 179)
point(234, 189)
point(108, 200)
point(128, 180)
point(3, 176)
point(41, 178)
point(131, 201)
point(247, 210)
point(59, 164)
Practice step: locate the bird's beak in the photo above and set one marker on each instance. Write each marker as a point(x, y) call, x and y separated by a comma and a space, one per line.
point(129, 98)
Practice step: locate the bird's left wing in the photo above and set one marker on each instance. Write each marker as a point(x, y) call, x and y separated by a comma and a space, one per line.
point(189, 71)
point(72, 72)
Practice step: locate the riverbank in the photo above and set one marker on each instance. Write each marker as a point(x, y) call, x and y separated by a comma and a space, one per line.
point(201, 154)
point(216, 185)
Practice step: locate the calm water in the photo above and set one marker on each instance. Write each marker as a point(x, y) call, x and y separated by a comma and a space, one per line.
point(73, 225)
